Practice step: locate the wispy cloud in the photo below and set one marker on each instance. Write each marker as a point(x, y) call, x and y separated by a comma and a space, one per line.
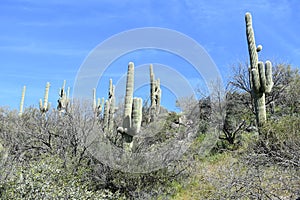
point(34, 49)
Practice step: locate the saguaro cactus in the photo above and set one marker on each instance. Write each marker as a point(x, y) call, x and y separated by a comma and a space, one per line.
point(64, 99)
point(155, 94)
point(260, 76)
point(112, 102)
point(128, 96)
point(109, 109)
point(133, 109)
point(97, 104)
point(106, 116)
point(22, 101)
point(44, 108)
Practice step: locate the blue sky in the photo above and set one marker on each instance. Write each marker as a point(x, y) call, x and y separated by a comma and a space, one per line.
point(47, 41)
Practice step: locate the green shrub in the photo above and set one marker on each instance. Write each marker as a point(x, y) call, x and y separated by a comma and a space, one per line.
point(280, 141)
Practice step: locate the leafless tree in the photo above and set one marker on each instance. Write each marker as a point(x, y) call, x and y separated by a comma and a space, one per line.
point(284, 77)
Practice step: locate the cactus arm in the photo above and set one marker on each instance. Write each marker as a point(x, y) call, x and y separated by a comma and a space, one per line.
point(269, 77)
point(44, 108)
point(98, 104)
point(64, 85)
point(262, 76)
point(111, 88)
point(152, 86)
point(158, 96)
point(255, 81)
point(263, 81)
point(63, 100)
point(155, 94)
point(265, 74)
point(61, 92)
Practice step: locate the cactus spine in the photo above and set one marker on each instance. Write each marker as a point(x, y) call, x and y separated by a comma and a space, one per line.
point(260, 75)
point(155, 94)
point(132, 119)
point(46, 106)
point(22, 101)
point(64, 99)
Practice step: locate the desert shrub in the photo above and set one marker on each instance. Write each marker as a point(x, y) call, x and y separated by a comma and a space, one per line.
point(267, 167)
point(48, 178)
point(280, 141)
point(47, 157)
point(149, 185)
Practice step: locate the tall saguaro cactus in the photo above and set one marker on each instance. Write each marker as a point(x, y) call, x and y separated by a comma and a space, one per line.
point(46, 106)
point(64, 100)
point(22, 101)
point(260, 75)
point(155, 94)
point(132, 119)
point(128, 95)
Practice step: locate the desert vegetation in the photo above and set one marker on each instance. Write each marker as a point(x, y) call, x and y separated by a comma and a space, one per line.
point(241, 142)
